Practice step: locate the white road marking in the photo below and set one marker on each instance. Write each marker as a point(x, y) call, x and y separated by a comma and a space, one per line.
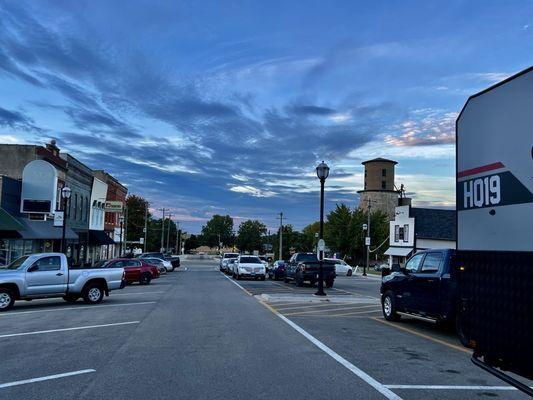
point(235, 283)
point(390, 395)
point(447, 387)
point(358, 372)
point(77, 328)
point(8, 314)
point(45, 378)
point(134, 293)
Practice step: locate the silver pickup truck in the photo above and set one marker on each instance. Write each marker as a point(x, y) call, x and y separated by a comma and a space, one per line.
point(45, 275)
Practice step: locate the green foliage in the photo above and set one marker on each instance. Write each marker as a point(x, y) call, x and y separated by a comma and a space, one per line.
point(249, 236)
point(192, 243)
point(218, 225)
point(343, 232)
point(310, 236)
point(136, 206)
point(293, 241)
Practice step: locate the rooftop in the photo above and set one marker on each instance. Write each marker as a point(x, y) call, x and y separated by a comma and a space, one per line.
point(432, 223)
point(379, 159)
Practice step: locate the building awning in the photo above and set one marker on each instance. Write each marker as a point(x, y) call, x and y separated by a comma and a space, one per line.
point(8, 222)
point(398, 251)
point(34, 229)
point(99, 238)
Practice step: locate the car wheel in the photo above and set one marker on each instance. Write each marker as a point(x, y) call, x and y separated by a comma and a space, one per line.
point(349, 272)
point(238, 277)
point(69, 298)
point(329, 283)
point(286, 280)
point(263, 277)
point(389, 307)
point(6, 299)
point(93, 294)
point(145, 278)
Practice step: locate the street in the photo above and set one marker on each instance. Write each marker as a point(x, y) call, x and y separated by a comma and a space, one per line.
point(198, 334)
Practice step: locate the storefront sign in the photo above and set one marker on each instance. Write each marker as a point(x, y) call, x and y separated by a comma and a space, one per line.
point(114, 206)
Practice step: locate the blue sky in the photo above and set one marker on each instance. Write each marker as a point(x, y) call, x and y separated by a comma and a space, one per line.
point(227, 106)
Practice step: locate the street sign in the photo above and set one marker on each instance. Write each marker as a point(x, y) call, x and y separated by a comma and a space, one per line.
point(141, 240)
point(58, 218)
point(367, 241)
point(321, 245)
point(114, 206)
point(365, 227)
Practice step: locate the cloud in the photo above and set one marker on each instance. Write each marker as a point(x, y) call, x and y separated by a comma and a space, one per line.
point(17, 120)
point(426, 127)
point(253, 191)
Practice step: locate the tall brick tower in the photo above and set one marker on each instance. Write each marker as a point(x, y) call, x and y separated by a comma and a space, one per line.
point(379, 188)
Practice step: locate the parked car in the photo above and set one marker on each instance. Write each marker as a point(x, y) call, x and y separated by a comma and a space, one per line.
point(174, 260)
point(305, 267)
point(380, 266)
point(46, 275)
point(249, 266)
point(341, 267)
point(230, 265)
point(163, 265)
point(277, 270)
point(426, 287)
point(135, 270)
point(226, 256)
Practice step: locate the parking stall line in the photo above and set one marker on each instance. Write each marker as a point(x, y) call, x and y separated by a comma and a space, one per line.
point(344, 315)
point(135, 293)
point(77, 328)
point(46, 378)
point(428, 337)
point(9, 314)
point(311, 306)
point(333, 310)
point(449, 387)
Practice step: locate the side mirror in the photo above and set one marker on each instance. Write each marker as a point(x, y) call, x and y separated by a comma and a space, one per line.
point(33, 268)
point(396, 268)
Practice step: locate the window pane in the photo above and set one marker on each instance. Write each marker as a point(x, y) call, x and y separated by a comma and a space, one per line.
point(413, 264)
point(432, 262)
point(406, 233)
point(49, 264)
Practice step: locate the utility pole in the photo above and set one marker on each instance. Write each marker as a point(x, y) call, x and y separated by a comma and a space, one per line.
point(126, 227)
point(178, 247)
point(168, 233)
point(367, 265)
point(280, 235)
point(145, 226)
point(163, 228)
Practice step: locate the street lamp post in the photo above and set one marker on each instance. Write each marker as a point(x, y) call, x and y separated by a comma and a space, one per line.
point(65, 196)
point(322, 172)
point(121, 219)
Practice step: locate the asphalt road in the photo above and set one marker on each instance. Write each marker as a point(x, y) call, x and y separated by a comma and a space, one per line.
point(197, 334)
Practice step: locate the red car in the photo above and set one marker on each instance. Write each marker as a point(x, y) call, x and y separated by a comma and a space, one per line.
point(135, 270)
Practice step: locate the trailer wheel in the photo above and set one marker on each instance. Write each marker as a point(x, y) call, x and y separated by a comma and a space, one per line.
point(389, 307)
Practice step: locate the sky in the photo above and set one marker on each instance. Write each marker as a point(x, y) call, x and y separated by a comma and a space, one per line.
point(226, 107)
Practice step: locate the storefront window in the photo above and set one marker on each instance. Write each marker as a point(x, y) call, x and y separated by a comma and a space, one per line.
point(4, 252)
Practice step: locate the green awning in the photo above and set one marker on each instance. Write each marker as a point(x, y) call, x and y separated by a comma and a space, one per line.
point(8, 222)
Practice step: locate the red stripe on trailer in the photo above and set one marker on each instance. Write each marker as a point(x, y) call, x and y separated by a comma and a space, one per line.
point(479, 170)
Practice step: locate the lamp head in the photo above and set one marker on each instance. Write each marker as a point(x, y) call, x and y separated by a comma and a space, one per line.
point(66, 192)
point(322, 171)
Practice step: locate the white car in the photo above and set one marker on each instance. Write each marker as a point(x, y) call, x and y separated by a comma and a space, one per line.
point(250, 267)
point(164, 265)
point(341, 267)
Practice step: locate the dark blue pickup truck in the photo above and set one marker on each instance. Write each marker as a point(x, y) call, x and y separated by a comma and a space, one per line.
point(426, 288)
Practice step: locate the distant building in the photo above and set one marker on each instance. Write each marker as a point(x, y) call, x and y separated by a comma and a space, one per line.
point(380, 193)
point(415, 229)
point(116, 192)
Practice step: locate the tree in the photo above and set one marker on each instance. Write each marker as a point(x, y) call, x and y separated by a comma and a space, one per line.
point(136, 208)
point(218, 225)
point(337, 230)
point(310, 236)
point(249, 237)
point(192, 243)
